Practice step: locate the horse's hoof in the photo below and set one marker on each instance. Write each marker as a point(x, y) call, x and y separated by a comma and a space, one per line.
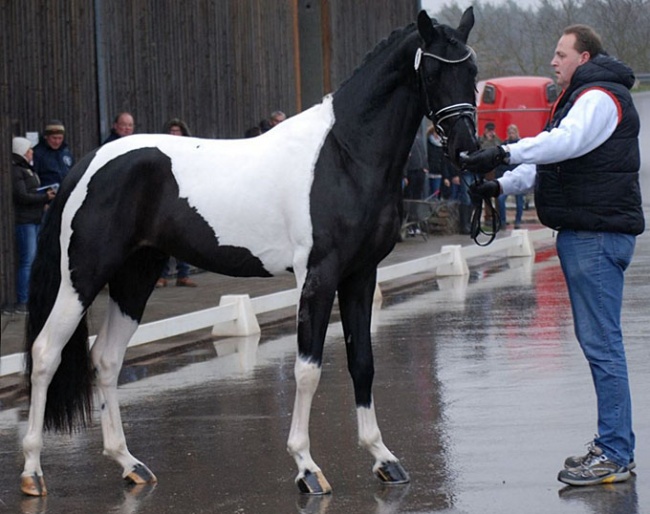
point(33, 485)
point(392, 473)
point(140, 474)
point(313, 483)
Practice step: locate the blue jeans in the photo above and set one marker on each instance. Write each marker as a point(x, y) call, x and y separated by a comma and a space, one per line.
point(519, 212)
point(26, 238)
point(594, 264)
point(466, 179)
point(182, 269)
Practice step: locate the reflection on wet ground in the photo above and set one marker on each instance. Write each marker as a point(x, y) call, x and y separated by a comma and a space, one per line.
point(480, 388)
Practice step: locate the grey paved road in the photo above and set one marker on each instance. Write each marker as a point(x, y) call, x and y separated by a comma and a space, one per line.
point(480, 390)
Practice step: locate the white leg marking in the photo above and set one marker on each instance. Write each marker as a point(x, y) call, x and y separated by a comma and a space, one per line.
point(108, 355)
point(370, 436)
point(307, 376)
point(46, 357)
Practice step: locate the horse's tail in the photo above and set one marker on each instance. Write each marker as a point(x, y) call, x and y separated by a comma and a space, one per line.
point(69, 395)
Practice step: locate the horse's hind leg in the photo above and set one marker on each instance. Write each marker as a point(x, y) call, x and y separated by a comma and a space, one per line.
point(129, 291)
point(46, 357)
point(355, 304)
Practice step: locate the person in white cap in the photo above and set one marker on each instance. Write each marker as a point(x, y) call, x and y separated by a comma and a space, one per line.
point(29, 201)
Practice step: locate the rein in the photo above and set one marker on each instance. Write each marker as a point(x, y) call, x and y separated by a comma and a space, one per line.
point(451, 111)
point(476, 229)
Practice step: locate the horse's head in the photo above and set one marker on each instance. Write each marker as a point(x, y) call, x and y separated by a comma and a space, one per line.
point(447, 72)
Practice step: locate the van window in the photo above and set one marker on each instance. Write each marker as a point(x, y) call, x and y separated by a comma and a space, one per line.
point(489, 94)
point(551, 93)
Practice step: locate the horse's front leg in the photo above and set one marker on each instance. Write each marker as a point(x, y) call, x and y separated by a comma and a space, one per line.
point(313, 316)
point(355, 303)
point(107, 356)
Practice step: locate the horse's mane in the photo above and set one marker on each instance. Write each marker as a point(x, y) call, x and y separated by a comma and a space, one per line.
point(386, 42)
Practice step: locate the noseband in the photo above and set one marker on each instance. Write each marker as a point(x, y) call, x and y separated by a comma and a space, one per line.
point(451, 111)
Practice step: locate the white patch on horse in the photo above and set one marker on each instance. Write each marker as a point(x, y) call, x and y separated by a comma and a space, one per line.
point(307, 375)
point(254, 193)
point(370, 436)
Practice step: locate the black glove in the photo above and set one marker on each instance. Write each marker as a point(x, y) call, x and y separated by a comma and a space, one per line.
point(484, 190)
point(484, 161)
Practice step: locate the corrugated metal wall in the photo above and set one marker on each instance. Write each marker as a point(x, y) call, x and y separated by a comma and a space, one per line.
point(221, 65)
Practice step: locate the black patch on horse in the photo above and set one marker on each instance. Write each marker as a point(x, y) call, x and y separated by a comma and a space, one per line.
point(146, 214)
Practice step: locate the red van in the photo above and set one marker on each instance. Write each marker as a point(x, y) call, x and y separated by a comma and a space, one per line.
point(524, 101)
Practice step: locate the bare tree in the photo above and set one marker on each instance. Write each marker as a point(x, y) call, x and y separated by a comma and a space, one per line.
point(510, 40)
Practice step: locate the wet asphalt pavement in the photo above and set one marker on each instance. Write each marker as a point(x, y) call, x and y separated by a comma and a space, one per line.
point(480, 387)
point(481, 391)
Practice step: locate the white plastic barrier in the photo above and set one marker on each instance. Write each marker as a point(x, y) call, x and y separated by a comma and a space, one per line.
point(236, 314)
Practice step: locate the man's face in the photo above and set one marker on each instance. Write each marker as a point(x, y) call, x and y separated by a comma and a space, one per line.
point(54, 141)
point(277, 119)
point(124, 125)
point(567, 59)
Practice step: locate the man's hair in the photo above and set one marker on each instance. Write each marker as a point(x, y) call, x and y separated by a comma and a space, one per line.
point(587, 39)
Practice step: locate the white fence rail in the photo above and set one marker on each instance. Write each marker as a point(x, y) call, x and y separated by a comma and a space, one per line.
point(237, 315)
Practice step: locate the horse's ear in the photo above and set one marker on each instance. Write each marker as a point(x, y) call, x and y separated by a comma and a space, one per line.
point(466, 23)
point(425, 28)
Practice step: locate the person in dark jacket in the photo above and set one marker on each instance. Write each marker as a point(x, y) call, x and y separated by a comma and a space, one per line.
point(443, 177)
point(29, 200)
point(587, 188)
point(123, 125)
point(52, 157)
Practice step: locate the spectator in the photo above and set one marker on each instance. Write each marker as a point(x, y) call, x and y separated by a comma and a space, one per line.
point(29, 201)
point(265, 125)
point(123, 125)
point(52, 157)
point(177, 127)
point(416, 171)
point(585, 170)
point(252, 132)
point(489, 139)
point(513, 137)
point(441, 171)
point(276, 118)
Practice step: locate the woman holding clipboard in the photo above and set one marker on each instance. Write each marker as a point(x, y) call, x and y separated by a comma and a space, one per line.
point(29, 200)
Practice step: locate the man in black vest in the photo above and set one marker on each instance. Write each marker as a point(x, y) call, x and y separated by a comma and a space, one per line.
point(586, 183)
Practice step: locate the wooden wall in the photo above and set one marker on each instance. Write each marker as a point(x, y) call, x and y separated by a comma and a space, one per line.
point(221, 65)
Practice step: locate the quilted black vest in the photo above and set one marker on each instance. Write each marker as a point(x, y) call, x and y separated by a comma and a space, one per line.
point(600, 190)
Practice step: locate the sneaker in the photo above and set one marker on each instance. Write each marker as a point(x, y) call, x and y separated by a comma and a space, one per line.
point(185, 282)
point(597, 469)
point(21, 308)
point(162, 282)
point(578, 460)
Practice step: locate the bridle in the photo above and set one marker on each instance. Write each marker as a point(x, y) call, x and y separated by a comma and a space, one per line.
point(458, 111)
point(451, 111)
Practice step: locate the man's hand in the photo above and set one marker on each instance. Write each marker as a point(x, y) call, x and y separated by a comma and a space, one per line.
point(484, 161)
point(484, 190)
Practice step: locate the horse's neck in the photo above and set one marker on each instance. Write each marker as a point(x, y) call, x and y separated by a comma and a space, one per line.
point(378, 112)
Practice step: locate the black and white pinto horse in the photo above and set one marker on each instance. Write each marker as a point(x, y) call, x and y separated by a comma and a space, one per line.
point(319, 195)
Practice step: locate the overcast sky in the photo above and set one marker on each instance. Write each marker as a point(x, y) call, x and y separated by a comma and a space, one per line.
point(433, 6)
